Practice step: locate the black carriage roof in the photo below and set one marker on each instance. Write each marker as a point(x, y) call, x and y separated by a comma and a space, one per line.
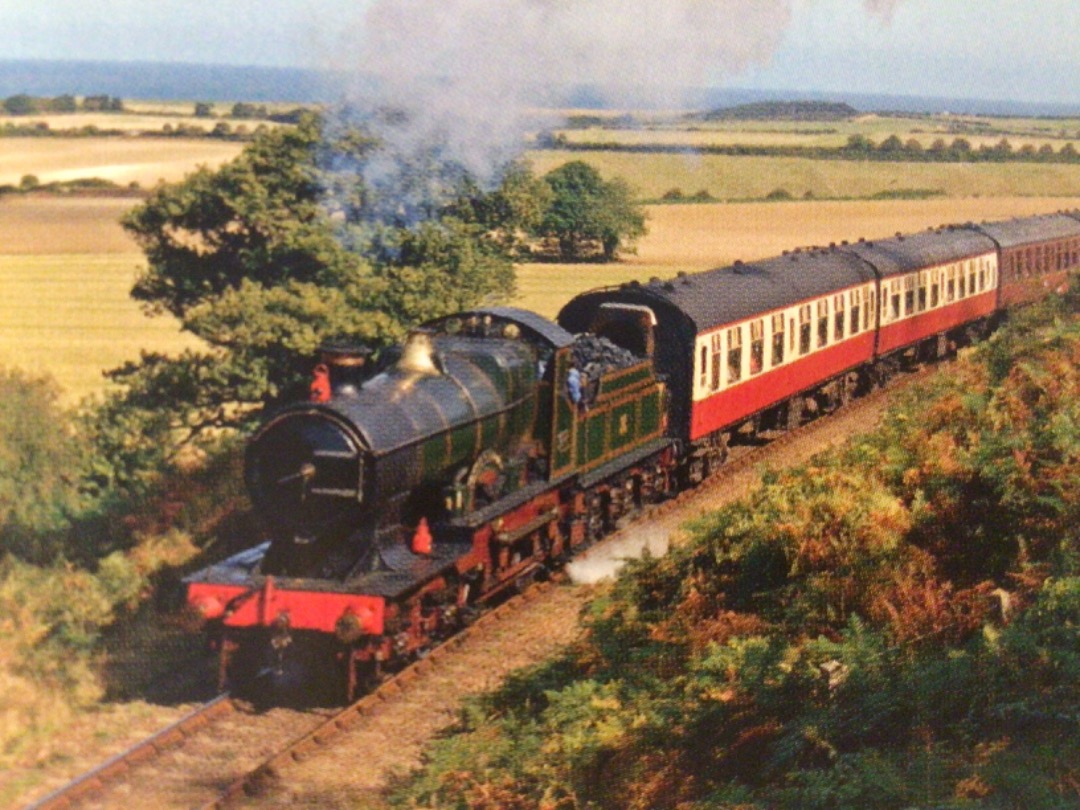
point(730, 294)
point(904, 253)
point(1017, 232)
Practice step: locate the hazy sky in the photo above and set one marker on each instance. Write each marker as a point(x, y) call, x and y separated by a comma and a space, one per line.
point(1026, 50)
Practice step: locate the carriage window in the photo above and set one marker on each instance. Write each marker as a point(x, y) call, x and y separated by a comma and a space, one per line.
point(717, 360)
point(777, 339)
point(935, 288)
point(757, 346)
point(856, 306)
point(822, 323)
point(704, 364)
point(894, 302)
point(871, 308)
point(804, 329)
point(909, 294)
point(950, 284)
point(838, 317)
point(924, 281)
point(961, 289)
point(734, 354)
point(982, 275)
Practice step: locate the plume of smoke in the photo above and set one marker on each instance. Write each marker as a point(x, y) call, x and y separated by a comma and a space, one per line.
point(461, 78)
point(883, 8)
point(454, 84)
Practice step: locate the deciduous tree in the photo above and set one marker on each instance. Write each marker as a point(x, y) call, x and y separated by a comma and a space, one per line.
point(263, 260)
point(585, 209)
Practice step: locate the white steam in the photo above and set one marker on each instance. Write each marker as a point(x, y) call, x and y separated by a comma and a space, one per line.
point(466, 75)
point(602, 562)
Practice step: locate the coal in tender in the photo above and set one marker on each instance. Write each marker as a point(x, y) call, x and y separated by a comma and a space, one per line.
point(596, 355)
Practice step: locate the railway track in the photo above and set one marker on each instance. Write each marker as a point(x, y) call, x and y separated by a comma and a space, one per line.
point(230, 770)
point(164, 771)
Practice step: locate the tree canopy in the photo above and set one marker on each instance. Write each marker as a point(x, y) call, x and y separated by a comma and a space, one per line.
point(586, 210)
point(266, 258)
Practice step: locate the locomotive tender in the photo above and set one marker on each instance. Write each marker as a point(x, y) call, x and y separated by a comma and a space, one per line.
point(400, 498)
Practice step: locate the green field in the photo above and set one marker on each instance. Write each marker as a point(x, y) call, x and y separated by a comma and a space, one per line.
point(745, 178)
point(979, 131)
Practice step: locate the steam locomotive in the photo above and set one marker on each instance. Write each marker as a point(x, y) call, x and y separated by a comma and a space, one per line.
point(480, 454)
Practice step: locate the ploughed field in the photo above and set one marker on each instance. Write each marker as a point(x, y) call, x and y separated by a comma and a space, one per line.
point(66, 267)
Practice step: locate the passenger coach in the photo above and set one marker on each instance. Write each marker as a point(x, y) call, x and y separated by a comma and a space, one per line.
point(1037, 255)
point(747, 337)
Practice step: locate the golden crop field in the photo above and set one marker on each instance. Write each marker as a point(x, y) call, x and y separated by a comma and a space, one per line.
point(123, 160)
point(70, 316)
point(66, 268)
point(741, 178)
point(49, 224)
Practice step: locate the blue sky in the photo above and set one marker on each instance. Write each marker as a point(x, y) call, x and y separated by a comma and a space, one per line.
point(1027, 50)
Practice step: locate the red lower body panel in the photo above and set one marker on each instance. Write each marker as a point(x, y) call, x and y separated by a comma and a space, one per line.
point(306, 610)
point(733, 405)
point(900, 334)
point(1024, 290)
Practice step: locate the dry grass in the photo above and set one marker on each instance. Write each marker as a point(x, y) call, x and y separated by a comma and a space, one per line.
point(698, 237)
point(735, 178)
point(123, 160)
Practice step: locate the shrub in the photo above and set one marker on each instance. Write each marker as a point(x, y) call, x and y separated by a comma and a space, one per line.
point(779, 194)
